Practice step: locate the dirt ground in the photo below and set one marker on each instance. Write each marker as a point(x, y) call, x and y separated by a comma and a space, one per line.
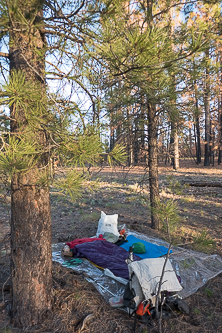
point(125, 191)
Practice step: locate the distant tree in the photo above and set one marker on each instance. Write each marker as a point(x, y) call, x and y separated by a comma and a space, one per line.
point(220, 118)
point(207, 111)
point(197, 123)
point(220, 105)
point(174, 119)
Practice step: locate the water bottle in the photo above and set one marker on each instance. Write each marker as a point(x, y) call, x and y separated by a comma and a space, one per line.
point(130, 257)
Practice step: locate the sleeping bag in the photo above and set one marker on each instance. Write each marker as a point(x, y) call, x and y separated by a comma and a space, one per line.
point(106, 255)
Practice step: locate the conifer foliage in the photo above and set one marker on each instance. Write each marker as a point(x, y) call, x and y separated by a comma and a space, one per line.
point(42, 40)
point(143, 48)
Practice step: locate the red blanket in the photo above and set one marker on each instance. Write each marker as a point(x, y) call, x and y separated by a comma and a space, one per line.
point(78, 241)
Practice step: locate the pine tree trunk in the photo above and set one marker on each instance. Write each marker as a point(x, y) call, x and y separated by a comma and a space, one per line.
point(152, 142)
point(220, 133)
point(135, 142)
point(167, 158)
point(213, 145)
point(152, 163)
point(220, 115)
point(207, 116)
point(112, 133)
point(129, 137)
point(190, 137)
point(174, 141)
point(197, 124)
point(31, 251)
point(142, 154)
point(198, 145)
point(176, 149)
point(197, 139)
point(31, 259)
point(174, 146)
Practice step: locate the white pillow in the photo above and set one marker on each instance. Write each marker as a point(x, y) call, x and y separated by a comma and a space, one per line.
point(107, 223)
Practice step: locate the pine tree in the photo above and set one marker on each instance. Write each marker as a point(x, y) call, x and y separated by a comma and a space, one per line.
point(39, 31)
point(137, 47)
point(30, 204)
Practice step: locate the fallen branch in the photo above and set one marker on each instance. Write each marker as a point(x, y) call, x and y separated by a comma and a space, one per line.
point(86, 319)
point(187, 243)
point(204, 184)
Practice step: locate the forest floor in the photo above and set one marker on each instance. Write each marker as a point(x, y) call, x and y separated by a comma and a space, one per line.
point(125, 191)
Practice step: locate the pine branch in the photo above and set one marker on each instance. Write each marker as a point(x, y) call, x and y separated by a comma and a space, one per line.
point(62, 32)
point(164, 11)
point(61, 15)
point(3, 116)
point(4, 55)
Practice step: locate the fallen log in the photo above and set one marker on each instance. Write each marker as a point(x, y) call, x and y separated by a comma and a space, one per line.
point(203, 184)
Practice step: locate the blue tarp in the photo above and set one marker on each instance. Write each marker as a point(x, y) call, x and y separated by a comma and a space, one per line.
point(152, 250)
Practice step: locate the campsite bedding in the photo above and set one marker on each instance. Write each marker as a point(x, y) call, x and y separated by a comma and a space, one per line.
point(194, 268)
point(78, 241)
point(152, 250)
point(106, 255)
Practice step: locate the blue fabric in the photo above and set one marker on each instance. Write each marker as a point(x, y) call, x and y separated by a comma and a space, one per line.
point(152, 250)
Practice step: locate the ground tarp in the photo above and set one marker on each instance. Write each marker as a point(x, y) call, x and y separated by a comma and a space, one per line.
point(193, 268)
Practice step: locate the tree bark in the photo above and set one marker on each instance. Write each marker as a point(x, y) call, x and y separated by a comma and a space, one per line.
point(112, 133)
point(197, 122)
point(198, 145)
point(207, 115)
point(142, 154)
point(176, 149)
point(31, 260)
point(174, 143)
point(152, 163)
point(220, 114)
point(152, 142)
point(135, 141)
point(212, 142)
point(220, 133)
point(129, 137)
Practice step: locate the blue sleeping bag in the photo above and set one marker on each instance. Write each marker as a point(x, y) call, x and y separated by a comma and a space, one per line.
point(152, 250)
